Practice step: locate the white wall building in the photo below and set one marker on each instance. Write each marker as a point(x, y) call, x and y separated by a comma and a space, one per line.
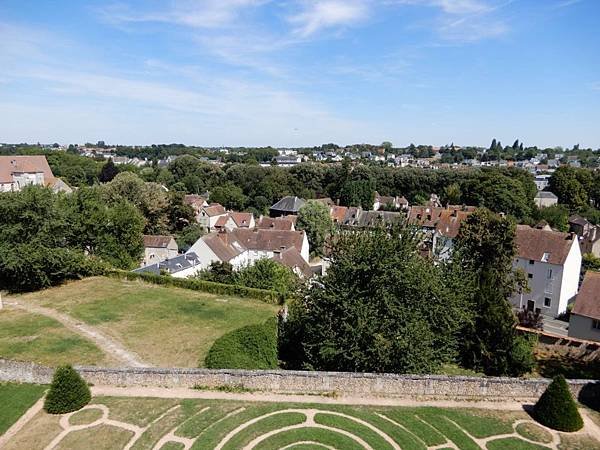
point(551, 261)
point(584, 320)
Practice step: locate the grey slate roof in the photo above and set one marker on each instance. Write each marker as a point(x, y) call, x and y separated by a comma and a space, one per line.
point(546, 194)
point(288, 204)
point(172, 265)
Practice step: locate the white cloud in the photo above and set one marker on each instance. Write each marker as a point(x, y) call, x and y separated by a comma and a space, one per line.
point(192, 13)
point(321, 14)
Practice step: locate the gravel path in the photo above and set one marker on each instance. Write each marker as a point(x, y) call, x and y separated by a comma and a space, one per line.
point(107, 344)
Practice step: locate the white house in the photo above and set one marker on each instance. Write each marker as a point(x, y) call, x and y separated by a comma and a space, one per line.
point(242, 247)
point(17, 171)
point(159, 248)
point(235, 220)
point(552, 261)
point(544, 199)
point(584, 320)
point(209, 215)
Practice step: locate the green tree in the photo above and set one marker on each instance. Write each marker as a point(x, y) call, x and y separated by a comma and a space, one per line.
point(189, 235)
point(315, 220)
point(556, 408)
point(565, 185)
point(485, 249)
point(452, 194)
point(268, 274)
point(380, 308)
point(230, 196)
point(557, 216)
point(108, 172)
point(68, 392)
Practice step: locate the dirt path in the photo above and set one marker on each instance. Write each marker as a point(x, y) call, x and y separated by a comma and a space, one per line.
point(183, 393)
point(107, 344)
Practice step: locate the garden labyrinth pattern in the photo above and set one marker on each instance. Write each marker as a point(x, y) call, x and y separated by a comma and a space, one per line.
point(245, 426)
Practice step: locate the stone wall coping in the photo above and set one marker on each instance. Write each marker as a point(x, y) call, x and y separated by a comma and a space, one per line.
point(298, 373)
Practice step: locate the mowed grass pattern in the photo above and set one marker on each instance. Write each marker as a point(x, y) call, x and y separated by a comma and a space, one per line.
point(229, 425)
point(165, 326)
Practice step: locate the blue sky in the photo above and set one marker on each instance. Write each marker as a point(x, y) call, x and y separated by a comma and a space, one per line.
point(300, 72)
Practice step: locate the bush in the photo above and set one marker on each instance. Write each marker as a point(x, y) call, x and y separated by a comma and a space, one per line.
point(201, 285)
point(68, 392)
point(556, 408)
point(521, 357)
point(251, 347)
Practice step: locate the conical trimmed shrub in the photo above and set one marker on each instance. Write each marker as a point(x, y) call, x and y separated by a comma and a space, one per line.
point(556, 408)
point(68, 392)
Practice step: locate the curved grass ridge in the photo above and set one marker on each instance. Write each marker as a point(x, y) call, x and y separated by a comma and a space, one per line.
point(228, 425)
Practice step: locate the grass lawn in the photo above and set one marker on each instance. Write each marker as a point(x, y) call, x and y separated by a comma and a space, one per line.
point(165, 326)
point(231, 425)
point(15, 399)
point(32, 337)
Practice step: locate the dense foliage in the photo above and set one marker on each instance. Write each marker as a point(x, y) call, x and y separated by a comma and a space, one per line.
point(68, 392)
point(556, 408)
point(485, 249)
point(263, 274)
point(251, 347)
point(211, 287)
point(46, 238)
point(315, 220)
point(380, 308)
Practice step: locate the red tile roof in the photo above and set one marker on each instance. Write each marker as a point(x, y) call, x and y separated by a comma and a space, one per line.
point(543, 245)
point(587, 302)
point(214, 209)
point(156, 241)
point(24, 164)
point(445, 221)
point(279, 223)
point(242, 219)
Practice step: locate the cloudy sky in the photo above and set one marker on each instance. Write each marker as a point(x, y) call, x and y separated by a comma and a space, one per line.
point(300, 72)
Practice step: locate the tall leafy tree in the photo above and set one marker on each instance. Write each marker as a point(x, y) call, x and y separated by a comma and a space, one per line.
point(315, 220)
point(108, 172)
point(485, 249)
point(380, 308)
point(568, 188)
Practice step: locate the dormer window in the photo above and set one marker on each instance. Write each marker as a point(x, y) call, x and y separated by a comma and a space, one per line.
point(545, 257)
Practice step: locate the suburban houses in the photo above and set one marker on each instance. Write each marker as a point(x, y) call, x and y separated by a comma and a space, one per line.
point(242, 247)
point(551, 261)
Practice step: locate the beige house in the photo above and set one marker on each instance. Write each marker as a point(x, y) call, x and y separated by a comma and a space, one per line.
point(158, 248)
point(197, 202)
point(17, 171)
point(543, 199)
point(209, 215)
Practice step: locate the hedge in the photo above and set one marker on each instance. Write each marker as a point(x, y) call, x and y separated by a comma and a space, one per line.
point(252, 347)
point(201, 285)
point(556, 408)
point(68, 392)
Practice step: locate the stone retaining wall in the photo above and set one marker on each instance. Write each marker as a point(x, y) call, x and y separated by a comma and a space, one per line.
point(297, 382)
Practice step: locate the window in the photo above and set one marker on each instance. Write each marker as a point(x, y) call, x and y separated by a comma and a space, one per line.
point(531, 261)
point(545, 257)
point(596, 324)
point(547, 302)
point(530, 276)
point(549, 274)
